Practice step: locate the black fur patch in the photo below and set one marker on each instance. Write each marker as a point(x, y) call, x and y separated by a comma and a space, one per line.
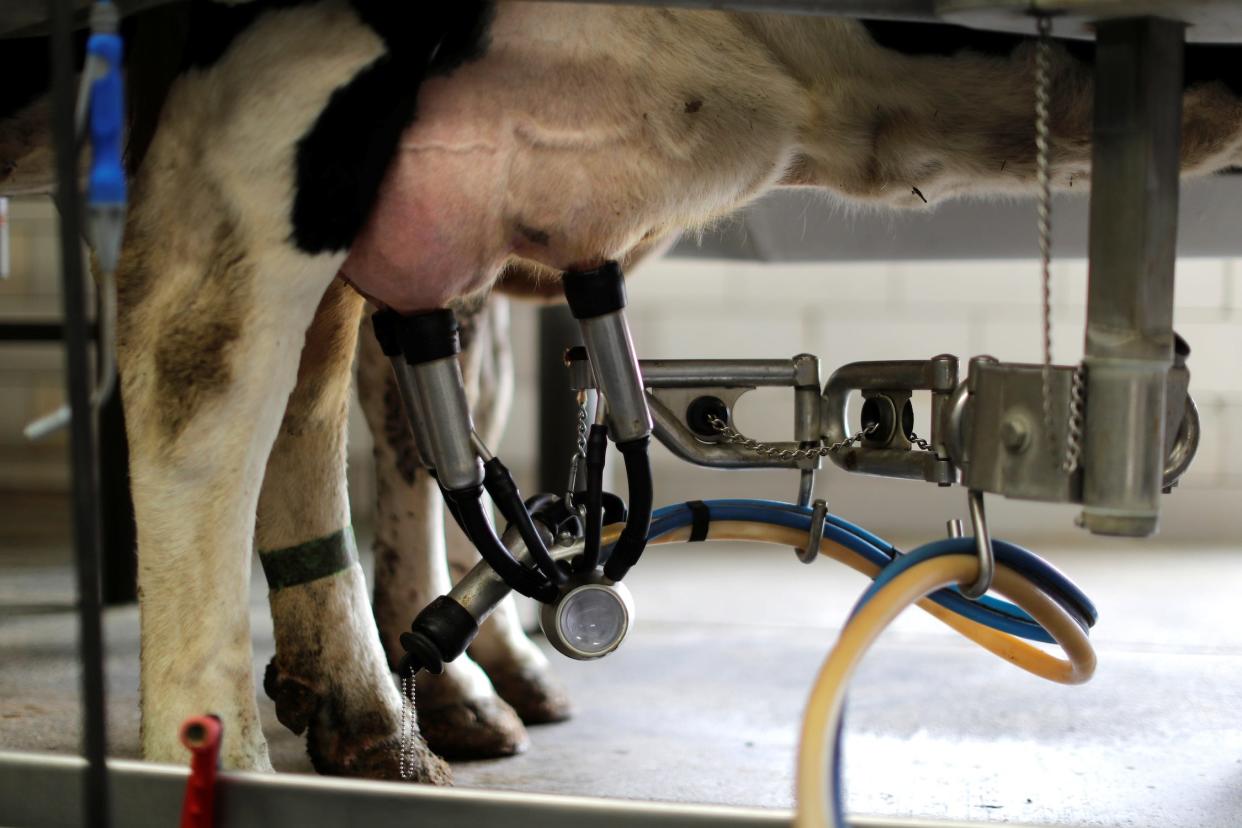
point(342, 160)
point(1204, 63)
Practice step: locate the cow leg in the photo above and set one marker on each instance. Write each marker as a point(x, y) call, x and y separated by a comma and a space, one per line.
point(211, 326)
point(329, 676)
point(518, 669)
point(459, 713)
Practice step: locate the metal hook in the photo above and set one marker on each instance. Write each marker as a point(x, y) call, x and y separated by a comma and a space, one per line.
point(983, 545)
point(818, 515)
point(806, 486)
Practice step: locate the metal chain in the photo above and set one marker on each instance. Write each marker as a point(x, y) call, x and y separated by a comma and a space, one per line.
point(1043, 182)
point(1078, 399)
point(409, 726)
point(575, 464)
point(1072, 455)
point(582, 423)
point(736, 438)
point(919, 441)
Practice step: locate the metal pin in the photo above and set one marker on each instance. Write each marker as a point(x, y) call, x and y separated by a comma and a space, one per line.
point(954, 528)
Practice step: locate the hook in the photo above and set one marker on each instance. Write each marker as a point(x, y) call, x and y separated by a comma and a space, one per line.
point(818, 515)
point(983, 545)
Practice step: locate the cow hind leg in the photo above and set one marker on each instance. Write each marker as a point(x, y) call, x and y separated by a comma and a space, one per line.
point(459, 713)
point(329, 676)
point(518, 669)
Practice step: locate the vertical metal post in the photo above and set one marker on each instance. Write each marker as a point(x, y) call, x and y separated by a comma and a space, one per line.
point(119, 535)
point(557, 411)
point(1134, 200)
point(5, 262)
point(82, 436)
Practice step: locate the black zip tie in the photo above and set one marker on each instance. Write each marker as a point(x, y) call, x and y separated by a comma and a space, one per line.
point(701, 514)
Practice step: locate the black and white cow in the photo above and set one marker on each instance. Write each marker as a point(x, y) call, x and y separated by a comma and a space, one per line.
point(413, 152)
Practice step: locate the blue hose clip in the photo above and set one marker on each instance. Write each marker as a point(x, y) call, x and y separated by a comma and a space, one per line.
point(104, 54)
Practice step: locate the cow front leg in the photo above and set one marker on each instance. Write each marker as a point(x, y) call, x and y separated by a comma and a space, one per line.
point(329, 677)
point(459, 713)
point(211, 329)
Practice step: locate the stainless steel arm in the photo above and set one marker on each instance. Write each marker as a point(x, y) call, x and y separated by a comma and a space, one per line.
point(481, 590)
point(671, 431)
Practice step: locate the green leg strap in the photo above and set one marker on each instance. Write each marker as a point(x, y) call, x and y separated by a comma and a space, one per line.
point(310, 561)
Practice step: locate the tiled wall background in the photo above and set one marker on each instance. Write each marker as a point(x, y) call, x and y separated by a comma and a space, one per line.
point(840, 312)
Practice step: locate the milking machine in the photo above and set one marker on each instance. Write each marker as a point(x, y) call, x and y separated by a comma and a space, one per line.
point(1110, 435)
point(571, 553)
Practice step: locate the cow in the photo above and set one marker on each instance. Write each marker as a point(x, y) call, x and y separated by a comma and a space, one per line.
point(311, 156)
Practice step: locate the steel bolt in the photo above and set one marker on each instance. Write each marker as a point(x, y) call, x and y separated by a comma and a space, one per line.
point(1015, 434)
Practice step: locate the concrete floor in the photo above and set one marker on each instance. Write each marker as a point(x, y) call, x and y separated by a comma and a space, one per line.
point(703, 702)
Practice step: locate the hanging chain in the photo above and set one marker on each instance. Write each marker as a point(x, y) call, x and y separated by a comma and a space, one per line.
point(1078, 407)
point(1069, 460)
point(409, 726)
point(1043, 182)
point(582, 423)
point(575, 464)
point(736, 438)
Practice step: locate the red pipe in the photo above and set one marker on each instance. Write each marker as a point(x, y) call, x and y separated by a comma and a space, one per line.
point(201, 734)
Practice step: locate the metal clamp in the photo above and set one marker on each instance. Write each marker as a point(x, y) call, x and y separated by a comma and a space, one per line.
point(887, 385)
point(983, 545)
point(818, 515)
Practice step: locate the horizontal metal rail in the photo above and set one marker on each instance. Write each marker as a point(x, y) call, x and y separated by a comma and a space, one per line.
point(718, 373)
point(38, 789)
point(917, 10)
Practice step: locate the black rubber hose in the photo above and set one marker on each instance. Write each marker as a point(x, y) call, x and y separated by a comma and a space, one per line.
point(479, 529)
point(508, 499)
point(450, 504)
point(596, 452)
point(633, 538)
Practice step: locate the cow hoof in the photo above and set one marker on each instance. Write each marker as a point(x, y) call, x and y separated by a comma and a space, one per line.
point(479, 728)
point(535, 694)
point(363, 744)
point(296, 701)
point(380, 759)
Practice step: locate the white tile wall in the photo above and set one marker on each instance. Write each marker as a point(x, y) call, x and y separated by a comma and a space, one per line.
point(845, 313)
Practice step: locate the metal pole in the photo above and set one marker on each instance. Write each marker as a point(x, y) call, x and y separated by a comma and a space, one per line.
point(119, 535)
point(82, 437)
point(557, 410)
point(1134, 200)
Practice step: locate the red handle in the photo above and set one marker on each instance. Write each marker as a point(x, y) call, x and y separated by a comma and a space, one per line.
point(201, 734)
